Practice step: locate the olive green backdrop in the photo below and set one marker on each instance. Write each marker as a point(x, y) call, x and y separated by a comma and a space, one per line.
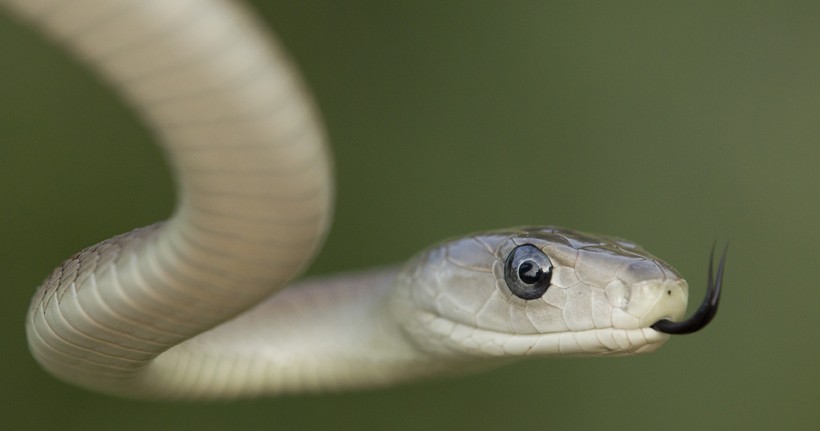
point(671, 124)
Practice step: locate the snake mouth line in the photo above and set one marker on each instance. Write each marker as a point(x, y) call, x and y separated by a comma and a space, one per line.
point(708, 308)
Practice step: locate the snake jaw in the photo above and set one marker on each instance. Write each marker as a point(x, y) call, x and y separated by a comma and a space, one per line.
point(708, 308)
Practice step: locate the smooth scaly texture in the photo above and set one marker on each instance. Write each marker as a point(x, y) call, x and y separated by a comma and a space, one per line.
point(253, 178)
point(134, 315)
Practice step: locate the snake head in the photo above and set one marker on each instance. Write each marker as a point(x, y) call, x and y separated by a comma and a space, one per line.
point(543, 291)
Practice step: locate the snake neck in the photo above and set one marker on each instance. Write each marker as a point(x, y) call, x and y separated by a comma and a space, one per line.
point(321, 334)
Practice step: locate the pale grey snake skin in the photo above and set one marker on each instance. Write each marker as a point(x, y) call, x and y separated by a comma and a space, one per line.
point(195, 307)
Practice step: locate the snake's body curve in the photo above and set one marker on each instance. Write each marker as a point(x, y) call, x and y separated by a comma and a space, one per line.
point(179, 309)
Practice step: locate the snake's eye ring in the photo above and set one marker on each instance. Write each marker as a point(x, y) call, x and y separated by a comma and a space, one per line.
point(528, 272)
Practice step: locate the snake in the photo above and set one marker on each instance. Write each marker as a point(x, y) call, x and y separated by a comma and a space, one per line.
point(209, 303)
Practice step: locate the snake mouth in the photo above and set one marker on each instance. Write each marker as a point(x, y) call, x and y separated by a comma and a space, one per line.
point(708, 308)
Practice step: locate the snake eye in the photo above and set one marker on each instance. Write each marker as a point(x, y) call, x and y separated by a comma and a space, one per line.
point(528, 272)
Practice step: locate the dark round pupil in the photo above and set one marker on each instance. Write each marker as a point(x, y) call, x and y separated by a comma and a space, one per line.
point(529, 272)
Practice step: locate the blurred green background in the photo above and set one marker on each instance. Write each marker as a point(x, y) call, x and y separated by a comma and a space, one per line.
point(668, 123)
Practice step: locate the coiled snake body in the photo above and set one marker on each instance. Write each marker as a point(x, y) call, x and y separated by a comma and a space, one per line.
point(189, 307)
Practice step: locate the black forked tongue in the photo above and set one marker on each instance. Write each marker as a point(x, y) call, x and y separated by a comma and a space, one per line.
point(707, 309)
